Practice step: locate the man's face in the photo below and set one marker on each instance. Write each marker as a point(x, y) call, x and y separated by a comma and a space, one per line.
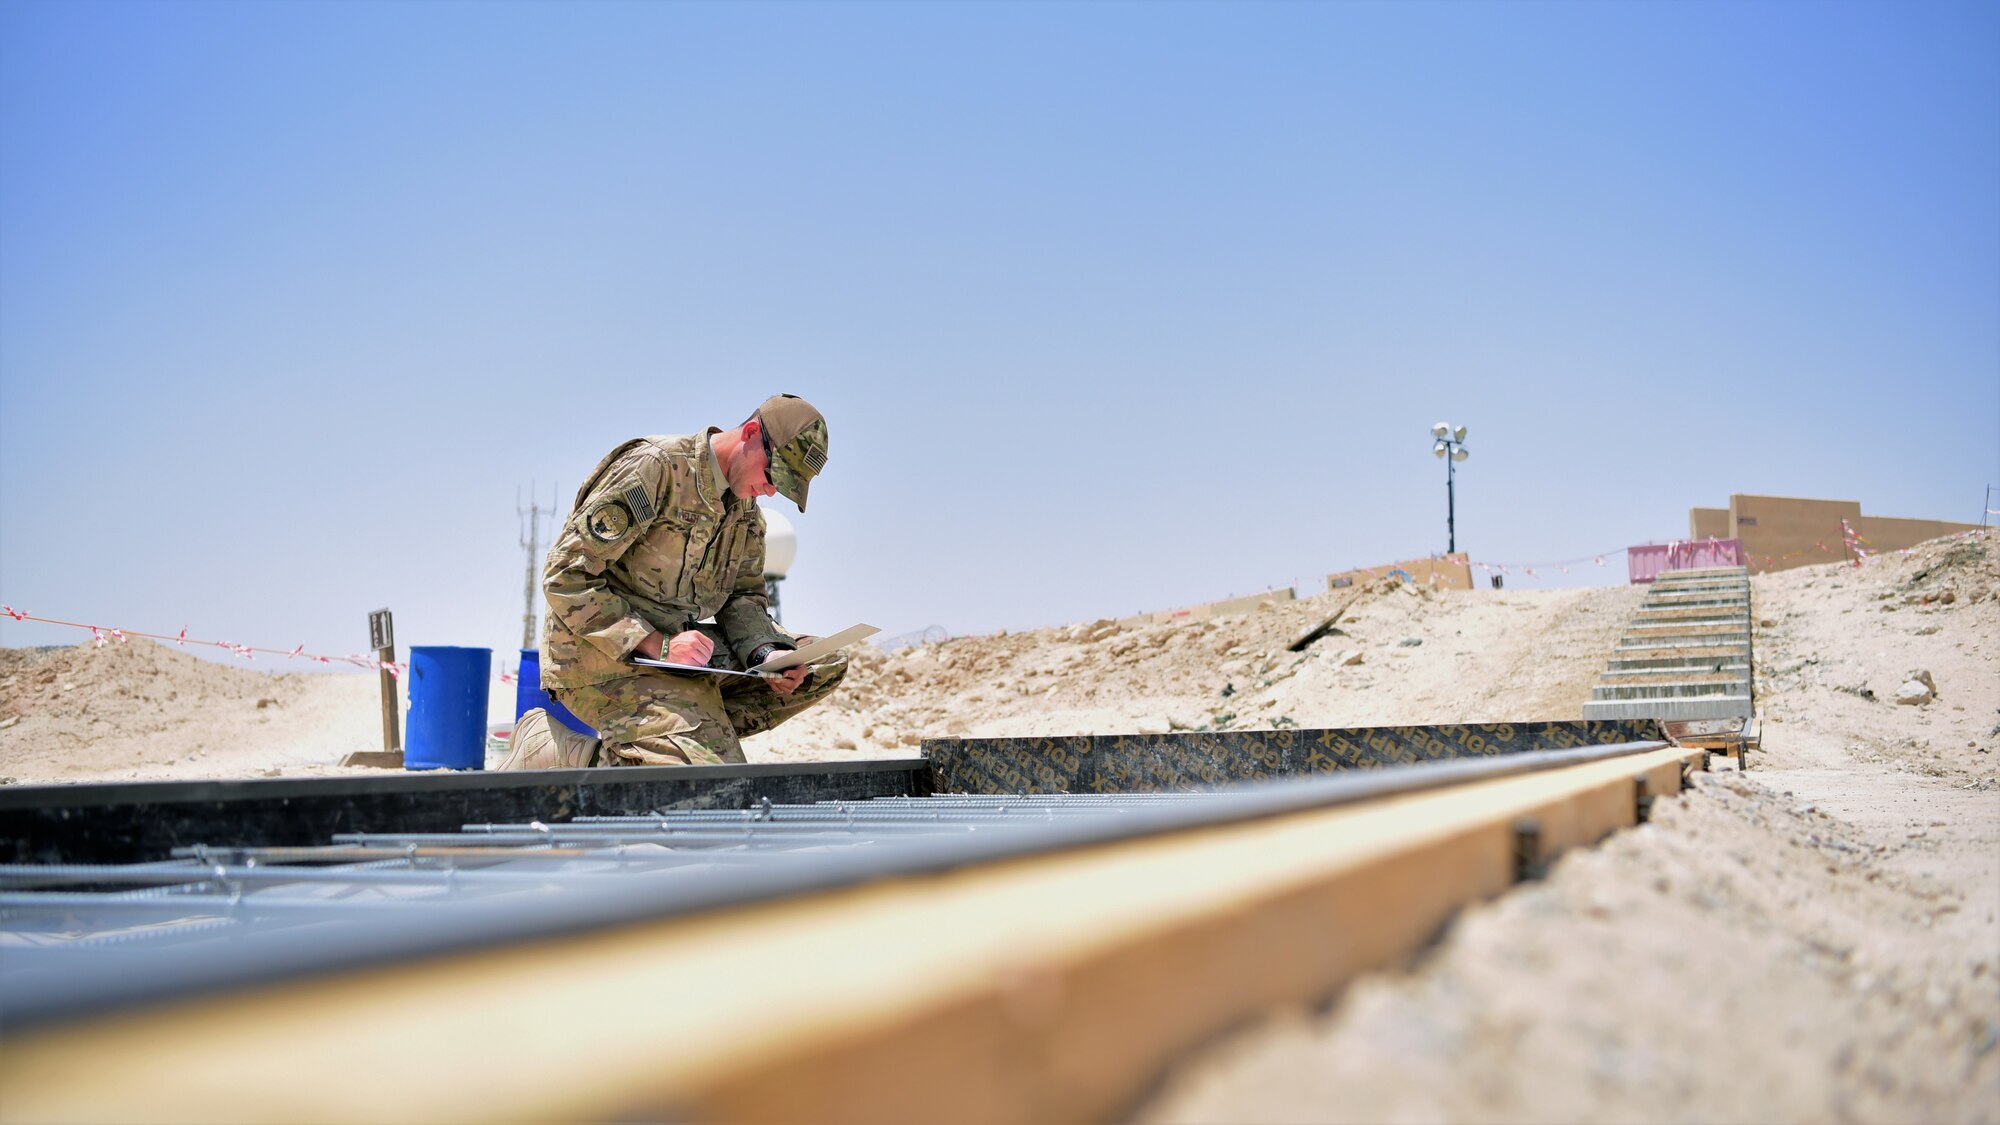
point(750, 476)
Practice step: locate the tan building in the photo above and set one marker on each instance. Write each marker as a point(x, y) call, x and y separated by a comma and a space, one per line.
point(1445, 572)
point(1781, 532)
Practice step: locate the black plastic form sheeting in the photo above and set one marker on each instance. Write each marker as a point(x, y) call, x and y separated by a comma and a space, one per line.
point(142, 821)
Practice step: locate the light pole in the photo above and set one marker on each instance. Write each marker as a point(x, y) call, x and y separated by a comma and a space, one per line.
point(781, 546)
point(1450, 444)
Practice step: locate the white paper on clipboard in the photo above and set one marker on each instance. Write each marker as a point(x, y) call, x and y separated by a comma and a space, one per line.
point(817, 650)
point(689, 669)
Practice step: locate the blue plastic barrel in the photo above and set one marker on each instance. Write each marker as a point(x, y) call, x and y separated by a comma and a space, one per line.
point(528, 695)
point(447, 708)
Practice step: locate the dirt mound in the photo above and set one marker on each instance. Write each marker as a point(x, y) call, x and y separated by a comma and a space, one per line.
point(1400, 654)
point(142, 709)
point(127, 683)
point(1836, 644)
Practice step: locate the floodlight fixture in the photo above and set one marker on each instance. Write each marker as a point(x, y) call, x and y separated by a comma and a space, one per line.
point(1449, 447)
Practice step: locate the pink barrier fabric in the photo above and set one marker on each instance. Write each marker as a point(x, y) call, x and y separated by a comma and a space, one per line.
point(1648, 562)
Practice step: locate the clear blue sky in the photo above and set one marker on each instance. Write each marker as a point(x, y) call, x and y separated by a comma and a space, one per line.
point(1111, 307)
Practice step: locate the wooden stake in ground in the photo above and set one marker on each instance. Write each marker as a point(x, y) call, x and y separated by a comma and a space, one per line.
point(382, 635)
point(382, 638)
point(1322, 629)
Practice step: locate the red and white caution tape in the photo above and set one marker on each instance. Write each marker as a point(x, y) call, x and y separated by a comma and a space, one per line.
point(100, 635)
point(1853, 541)
point(1528, 569)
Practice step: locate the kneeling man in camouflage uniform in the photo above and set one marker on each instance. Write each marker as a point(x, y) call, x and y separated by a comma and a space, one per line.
point(665, 534)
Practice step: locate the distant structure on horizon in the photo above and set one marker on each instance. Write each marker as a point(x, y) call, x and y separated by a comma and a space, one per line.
point(1445, 572)
point(1782, 532)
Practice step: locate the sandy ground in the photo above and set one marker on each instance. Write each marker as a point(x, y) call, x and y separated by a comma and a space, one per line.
point(1816, 940)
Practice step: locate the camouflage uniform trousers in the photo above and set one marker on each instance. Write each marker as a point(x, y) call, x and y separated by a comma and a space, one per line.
point(664, 719)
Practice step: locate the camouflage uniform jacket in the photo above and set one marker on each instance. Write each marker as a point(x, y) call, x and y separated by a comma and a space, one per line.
point(656, 543)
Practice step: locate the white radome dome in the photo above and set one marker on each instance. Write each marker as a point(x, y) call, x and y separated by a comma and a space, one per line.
point(781, 543)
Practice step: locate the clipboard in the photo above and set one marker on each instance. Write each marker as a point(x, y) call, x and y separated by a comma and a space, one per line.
point(695, 669)
point(817, 650)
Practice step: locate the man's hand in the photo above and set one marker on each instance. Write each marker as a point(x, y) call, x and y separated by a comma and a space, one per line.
point(787, 681)
point(692, 647)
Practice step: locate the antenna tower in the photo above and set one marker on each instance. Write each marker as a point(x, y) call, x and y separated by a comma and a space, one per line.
point(531, 545)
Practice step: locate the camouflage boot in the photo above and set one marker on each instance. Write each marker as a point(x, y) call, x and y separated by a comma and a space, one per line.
point(542, 743)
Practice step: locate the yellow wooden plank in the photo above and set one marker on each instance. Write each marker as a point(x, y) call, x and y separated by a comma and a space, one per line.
point(1048, 988)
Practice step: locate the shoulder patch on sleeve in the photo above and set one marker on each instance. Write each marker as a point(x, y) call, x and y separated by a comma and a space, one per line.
point(637, 501)
point(609, 521)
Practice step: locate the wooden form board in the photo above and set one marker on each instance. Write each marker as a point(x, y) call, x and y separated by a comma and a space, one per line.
point(1051, 988)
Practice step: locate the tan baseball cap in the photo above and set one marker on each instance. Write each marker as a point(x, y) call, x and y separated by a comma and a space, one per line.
point(795, 438)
